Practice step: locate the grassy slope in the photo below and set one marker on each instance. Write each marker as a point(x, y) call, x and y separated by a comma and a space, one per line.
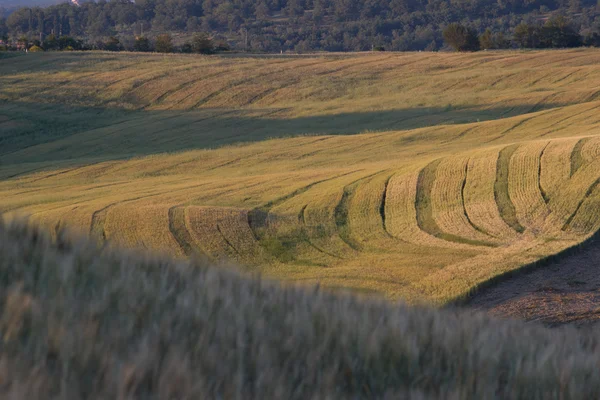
point(355, 198)
point(80, 322)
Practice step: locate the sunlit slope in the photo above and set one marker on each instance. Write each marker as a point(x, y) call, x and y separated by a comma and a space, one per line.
point(183, 102)
point(425, 212)
point(437, 227)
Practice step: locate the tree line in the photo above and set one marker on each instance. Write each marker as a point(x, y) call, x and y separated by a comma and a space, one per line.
point(556, 32)
point(308, 25)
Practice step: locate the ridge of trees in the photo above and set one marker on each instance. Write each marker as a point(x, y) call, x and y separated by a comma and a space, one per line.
point(309, 25)
point(556, 32)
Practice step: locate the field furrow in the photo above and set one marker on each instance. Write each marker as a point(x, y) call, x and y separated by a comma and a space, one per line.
point(479, 198)
point(320, 225)
point(555, 166)
point(142, 225)
point(524, 185)
point(401, 213)
point(580, 190)
point(447, 203)
point(577, 156)
point(506, 207)
point(590, 150)
point(426, 211)
point(178, 228)
point(366, 213)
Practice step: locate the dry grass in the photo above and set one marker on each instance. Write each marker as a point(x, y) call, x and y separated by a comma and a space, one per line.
point(414, 176)
point(80, 322)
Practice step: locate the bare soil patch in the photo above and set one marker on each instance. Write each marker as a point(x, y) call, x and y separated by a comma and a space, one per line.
point(566, 291)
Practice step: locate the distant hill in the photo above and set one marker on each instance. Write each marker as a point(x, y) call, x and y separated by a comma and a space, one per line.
point(303, 25)
point(29, 3)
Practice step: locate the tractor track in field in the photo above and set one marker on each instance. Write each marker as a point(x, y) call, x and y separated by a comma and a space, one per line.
point(424, 209)
point(506, 207)
point(57, 174)
point(76, 204)
point(306, 236)
point(544, 76)
point(99, 216)
point(250, 79)
point(119, 80)
point(464, 204)
point(568, 118)
point(229, 244)
point(576, 156)
point(80, 78)
point(297, 81)
point(258, 217)
point(352, 65)
point(24, 172)
point(342, 210)
point(502, 78)
point(588, 193)
point(382, 205)
point(567, 76)
point(98, 222)
point(191, 82)
point(518, 124)
point(293, 82)
point(594, 96)
point(542, 191)
point(539, 104)
point(64, 83)
point(180, 231)
point(461, 134)
point(237, 159)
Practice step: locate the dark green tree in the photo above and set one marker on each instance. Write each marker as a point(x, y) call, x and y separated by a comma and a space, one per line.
point(50, 43)
point(557, 32)
point(113, 44)
point(461, 38)
point(67, 42)
point(164, 43)
point(187, 48)
point(202, 44)
point(527, 36)
point(486, 40)
point(142, 44)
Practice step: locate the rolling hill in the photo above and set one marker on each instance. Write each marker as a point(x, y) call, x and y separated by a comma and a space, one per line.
point(418, 176)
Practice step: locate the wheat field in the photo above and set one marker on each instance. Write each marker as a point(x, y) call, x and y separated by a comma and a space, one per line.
point(415, 176)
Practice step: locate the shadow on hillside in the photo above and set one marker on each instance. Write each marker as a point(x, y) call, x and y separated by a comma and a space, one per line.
point(45, 132)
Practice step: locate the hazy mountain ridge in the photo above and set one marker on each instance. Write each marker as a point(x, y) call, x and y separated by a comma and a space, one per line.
point(29, 3)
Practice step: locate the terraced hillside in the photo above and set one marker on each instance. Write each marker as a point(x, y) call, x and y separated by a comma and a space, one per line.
point(417, 176)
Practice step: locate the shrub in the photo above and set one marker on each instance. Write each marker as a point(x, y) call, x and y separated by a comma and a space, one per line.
point(202, 44)
point(113, 44)
point(164, 43)
point(142, 44)
point(35, 49)
point(461, 38)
